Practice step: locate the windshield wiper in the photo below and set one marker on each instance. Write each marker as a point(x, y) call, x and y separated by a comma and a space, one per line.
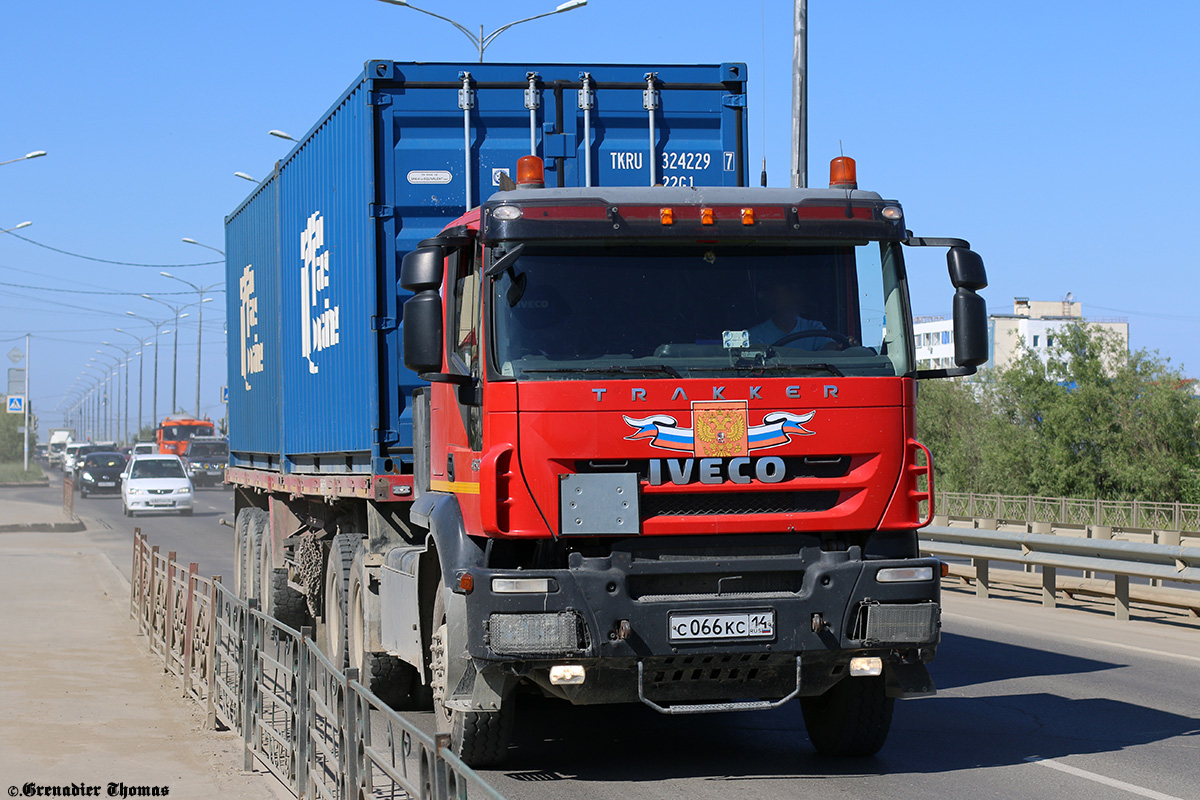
point(817, 367)
point(623, 368)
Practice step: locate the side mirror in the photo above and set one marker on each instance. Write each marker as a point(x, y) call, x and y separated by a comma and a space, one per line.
point(966, 269)
point(422, 269)
point(423, 339)
point(970, 329)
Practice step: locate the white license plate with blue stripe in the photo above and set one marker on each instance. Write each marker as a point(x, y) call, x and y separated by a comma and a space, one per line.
point(749, 625)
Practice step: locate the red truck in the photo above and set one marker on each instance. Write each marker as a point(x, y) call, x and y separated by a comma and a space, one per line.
point(173, 434)
point(666, 452)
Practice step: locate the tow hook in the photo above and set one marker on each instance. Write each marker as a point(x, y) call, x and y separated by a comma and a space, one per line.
point(818, 622)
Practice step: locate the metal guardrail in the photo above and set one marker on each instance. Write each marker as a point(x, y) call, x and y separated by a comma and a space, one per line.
point(1050, 553)
point(1124, 515)
point(315, 727)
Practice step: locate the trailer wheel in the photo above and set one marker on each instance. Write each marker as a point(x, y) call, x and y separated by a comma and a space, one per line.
point(278, 599)
point(852, 718)
point(480, 738)
point(391, 679)
point(337, 590)
point(247, 535)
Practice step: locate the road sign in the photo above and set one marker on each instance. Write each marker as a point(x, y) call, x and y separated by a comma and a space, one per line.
point(15, 355)
point(16, 380)
point(224, 394)
point(16, 404)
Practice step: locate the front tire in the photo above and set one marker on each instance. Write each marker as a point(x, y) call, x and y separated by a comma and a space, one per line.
point(337, 591)
point(480, 738)
point(850, 719)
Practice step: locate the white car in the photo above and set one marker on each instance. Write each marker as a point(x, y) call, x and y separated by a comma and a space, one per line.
point(145, 449)
point(156, 483)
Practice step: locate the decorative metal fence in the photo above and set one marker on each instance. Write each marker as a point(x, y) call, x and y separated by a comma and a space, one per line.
point(1135, 515)
point(315, 727)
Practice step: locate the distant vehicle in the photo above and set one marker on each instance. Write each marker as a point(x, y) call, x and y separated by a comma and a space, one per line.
point(206, 459)
point(100, 473)
point(39, 452)
point(156, 483)
point(173, 433)
point(144, 448)
point(75, 453)
point(59, 438)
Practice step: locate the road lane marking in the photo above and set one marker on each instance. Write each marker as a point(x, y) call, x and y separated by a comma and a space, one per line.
point(1091, 776)
point(1101, 642)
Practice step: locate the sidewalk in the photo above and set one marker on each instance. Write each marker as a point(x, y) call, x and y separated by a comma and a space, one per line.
point(19, 515)
point(84, 702)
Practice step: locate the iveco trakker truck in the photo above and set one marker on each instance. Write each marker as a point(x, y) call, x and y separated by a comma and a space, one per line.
point(530, 392)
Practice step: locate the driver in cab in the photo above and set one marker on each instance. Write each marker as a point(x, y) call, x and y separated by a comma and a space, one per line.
point(787, 303)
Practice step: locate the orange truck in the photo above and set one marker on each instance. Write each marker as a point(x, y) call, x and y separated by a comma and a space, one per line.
point(174, 433)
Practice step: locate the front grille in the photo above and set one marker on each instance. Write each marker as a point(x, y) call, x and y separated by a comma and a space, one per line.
point(696, 504)
point(159, 491)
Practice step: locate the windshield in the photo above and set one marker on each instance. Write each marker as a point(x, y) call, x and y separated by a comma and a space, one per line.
point(208, 450)
point(177, 433)
point(158, 468)
point(99, 460)
point(702, 310)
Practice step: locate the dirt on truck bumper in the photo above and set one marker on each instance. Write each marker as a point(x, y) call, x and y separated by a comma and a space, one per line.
point(698, 632)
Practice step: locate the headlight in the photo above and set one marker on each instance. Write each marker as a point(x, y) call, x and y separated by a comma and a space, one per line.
point(133, 490)
point(87, 476)
point(184, 490)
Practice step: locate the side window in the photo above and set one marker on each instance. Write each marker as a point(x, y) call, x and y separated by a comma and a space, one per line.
point(464, 328)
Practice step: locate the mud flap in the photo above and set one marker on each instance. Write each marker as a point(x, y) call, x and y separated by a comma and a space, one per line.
point(908, 680)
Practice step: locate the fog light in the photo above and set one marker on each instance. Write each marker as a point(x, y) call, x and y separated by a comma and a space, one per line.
point(865, 666)
point(904, 574)
point(534, 634)
point(567, 675)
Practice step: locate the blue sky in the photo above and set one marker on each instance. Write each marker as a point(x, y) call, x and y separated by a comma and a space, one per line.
point(1056, 137)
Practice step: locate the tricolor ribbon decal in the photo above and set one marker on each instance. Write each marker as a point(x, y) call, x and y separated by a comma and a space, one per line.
point(664, 432)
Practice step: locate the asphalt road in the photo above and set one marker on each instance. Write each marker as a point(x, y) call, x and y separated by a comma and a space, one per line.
point(1032, 703)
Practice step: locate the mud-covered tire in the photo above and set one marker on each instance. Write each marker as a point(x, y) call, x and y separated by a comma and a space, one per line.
point(278, 599)
point(851, 719)
point(250, 524)
point(480, 738)
point(391, 679)
point(337, 592)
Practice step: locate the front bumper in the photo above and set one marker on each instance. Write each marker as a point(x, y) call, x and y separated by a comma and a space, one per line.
point(611, 615)
point(159, 503)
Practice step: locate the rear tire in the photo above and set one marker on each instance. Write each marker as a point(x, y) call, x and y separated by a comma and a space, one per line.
point(337, 592)
point(391, 679)
point(480, 738)
point(248, 520)
point(851, 719)
point(278, 599)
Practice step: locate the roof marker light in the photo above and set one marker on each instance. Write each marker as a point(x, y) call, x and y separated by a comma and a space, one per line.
point(892, 212)
point(666, 216)
point(707, 217)
point(843, 173)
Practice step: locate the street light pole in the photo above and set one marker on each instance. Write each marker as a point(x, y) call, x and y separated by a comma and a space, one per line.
point(157, 327)
point(141, 364)
point(200, 314)
point(481, 42)
point(34, 154)
point(175, 356)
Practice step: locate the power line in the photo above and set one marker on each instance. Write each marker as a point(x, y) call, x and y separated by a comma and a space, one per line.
point(84, 291)
point(109, 261)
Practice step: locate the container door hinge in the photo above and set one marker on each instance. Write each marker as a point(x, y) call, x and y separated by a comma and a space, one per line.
point(380, 99)
point(379, 211)
point(386, 436)
point(734, 101)
point(383, 323)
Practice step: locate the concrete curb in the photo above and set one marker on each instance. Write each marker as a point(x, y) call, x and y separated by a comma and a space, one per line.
point(24, 484)
point(44, 527)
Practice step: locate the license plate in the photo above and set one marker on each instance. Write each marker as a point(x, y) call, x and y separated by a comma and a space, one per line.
point(725, 625)
point(106, 483)
point(161, 502)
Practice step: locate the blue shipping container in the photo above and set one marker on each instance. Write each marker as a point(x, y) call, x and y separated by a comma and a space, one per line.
point(316, 379)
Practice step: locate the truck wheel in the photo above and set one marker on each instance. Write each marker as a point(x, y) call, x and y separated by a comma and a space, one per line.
point(852, 718)
point(337, 590)
point(480, 738)
point(250, 524)
point(391, 679)
point(278, 599)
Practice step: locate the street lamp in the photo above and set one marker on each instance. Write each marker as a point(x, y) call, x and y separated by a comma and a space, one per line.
point(281, 135)
point(157, 328)
point(97, 394)
point(141, 364)
point(34, 154)
point(481, 42)
point(245, 177)
point(201, 290)
point(109, 391)
point(18, 226)
point(175, 355)
point(123, 431)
